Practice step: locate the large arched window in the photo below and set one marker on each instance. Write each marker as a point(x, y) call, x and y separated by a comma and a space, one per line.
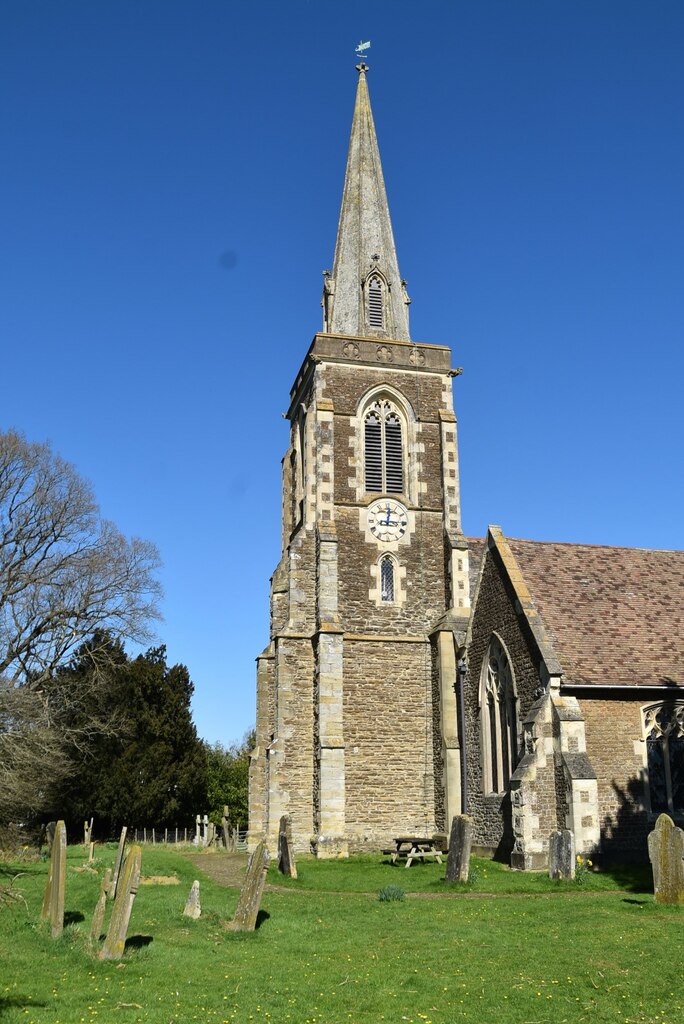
point(499, 713)
point(383, 449)
point(664, 734)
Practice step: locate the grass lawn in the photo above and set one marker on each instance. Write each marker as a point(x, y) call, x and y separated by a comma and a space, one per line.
point(510, 948)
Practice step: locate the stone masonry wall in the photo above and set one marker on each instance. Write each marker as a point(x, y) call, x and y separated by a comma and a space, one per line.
point(616, 749)
point(388, 738)
point(292, 758)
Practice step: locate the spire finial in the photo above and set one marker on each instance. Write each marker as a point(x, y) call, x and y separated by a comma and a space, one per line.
point(362, 68)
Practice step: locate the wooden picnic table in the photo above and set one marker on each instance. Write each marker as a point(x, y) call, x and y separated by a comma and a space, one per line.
point(415, 848)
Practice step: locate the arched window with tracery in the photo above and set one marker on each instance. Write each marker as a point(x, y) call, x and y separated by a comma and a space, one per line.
point(664, 734)
point(499, 711)
point(375, 292)
point(383, 449)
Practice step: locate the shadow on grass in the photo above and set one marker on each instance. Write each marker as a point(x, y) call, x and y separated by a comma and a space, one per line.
point(138, 941)
point(262, 916)
point(17, 1003)
point(631, 877)
point(72, 917)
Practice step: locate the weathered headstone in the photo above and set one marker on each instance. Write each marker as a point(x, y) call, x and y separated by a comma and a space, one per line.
point(129, 881)
point(210, 832)
point(53, 900)
point(192, 904)
point(249, 901)
point(198, 824)
point(286, 857)
point(666, 852)
point(87, 832)
point(460, 844)
point(50, 834)
point(117, 863)
point(99, 912)
point(562, 855)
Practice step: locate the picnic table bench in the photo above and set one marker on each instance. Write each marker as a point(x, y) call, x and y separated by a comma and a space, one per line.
point(413, 848)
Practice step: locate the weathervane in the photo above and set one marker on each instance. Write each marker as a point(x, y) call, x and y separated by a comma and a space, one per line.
point(360, 51)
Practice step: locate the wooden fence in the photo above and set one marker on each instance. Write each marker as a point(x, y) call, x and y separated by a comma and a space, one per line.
point(172, 836)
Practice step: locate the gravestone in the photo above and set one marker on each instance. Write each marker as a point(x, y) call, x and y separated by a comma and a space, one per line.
point(562, 855)
point(117, 862)
point(99, 912)
point(129, 881)
point(460, 843)
point(666, 853)
point(53, 900)
point(249, 900)
point(286, 857)
point(192, 904)
point(87, 832)
point(91, 853)
point(50, 834)
point(198, 824)
point(210, 833)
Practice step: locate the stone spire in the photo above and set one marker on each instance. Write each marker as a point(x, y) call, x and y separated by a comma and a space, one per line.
point(365, 294)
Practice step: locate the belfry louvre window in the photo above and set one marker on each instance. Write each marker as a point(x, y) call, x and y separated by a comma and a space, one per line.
point(376, 316)
point(387, 579)
point(664, 732)
point(383, 450)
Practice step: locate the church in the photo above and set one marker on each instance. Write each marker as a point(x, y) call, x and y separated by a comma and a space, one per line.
point(413, 673)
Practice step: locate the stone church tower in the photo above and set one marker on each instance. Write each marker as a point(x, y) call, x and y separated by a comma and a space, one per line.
point(356, 691)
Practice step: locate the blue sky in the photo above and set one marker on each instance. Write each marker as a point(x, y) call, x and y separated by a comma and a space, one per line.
point(171, 179)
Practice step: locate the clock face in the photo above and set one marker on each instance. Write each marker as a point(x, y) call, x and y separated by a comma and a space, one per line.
point(387, 520)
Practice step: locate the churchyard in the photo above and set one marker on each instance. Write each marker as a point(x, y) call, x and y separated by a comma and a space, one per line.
point(506, 946)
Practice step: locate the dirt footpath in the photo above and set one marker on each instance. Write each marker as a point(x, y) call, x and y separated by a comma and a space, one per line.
point(224, 868)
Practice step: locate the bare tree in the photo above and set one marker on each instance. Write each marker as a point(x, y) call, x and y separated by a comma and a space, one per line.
point(64, 572)
point(66, 576)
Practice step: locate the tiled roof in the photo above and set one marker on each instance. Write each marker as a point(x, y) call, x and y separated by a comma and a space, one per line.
point(614, 615)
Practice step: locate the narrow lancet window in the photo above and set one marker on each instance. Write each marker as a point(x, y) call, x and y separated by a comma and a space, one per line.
point(376, 317)
point(384, 450)
point(387, 579)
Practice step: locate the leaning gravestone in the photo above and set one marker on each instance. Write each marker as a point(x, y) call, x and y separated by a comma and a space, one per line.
point(129, 881)
point(99, 912)
point(117, 862)
point(53, 900)
point(249, 900)
point(193, 908)
point(562, 855)
point(286, 857)
point(460, 844)
point(666, 852)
